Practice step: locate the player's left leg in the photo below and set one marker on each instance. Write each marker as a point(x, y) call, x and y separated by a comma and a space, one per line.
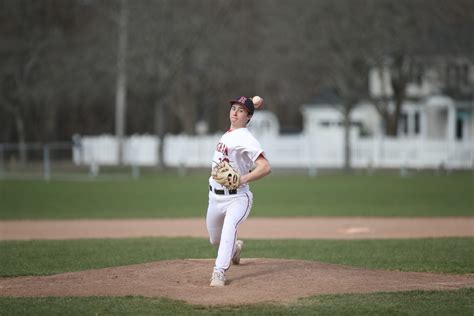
point(236, 213)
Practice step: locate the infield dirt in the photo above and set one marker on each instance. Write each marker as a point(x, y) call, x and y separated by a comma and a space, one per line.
point(253, 281)
point(256, 227)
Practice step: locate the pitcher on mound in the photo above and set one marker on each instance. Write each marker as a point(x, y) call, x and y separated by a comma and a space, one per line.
point(238, 160)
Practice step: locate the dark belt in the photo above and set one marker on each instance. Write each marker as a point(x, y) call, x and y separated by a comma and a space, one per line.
point(222, 192)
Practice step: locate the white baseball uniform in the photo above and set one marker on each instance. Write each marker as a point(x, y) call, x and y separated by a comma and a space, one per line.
point(227, 210)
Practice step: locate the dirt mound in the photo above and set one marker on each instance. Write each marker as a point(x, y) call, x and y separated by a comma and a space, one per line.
point(253, 281)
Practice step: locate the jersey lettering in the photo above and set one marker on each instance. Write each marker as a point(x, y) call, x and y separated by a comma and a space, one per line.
point(222, 148)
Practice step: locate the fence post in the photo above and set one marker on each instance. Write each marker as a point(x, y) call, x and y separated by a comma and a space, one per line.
point(93, 169)
point(311, 154)
point(46, 163)
point(135, 170)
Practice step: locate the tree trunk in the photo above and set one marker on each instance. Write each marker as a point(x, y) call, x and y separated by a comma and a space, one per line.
point(121, 92)
point(347, 141)
point(399, 83)
point(50, 121)
point(391, 125)
point(20, 129)
point(160, 131)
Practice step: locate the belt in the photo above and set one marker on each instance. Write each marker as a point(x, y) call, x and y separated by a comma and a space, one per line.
point(222, 192)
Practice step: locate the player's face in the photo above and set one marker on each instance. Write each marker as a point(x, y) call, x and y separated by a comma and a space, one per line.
point(238, 116)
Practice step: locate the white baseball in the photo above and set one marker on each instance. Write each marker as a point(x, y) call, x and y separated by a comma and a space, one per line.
point(257, 101)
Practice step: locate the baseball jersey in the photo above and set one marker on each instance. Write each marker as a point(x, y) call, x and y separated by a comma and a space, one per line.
point(240, 148)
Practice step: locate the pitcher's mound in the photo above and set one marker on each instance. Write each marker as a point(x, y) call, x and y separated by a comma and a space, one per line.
point(253, 281)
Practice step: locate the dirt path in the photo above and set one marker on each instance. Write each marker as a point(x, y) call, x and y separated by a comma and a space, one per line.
point(263, 228)
point(254, 281)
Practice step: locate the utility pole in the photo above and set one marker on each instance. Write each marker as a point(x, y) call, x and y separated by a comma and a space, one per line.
point(121, 91)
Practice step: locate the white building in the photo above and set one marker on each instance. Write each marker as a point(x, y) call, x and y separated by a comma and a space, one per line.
point(439, 103)
point(264, 124)
point(433, 118)
point(440, 98)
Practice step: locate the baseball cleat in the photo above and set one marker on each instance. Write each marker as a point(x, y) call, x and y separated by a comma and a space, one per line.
point(218, 279)
point(239, 245)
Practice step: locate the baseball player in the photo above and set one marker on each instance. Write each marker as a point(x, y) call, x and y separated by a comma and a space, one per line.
point(238, 160)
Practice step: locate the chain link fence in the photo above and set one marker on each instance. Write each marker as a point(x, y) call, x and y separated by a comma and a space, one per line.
point(54, 160)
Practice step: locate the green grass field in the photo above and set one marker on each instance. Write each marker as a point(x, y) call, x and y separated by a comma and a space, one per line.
point(168, 195)
point(41, 257)
point(444, 303)
point(443, 255)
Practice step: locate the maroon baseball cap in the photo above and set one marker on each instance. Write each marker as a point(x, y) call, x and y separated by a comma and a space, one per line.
point(246, 102)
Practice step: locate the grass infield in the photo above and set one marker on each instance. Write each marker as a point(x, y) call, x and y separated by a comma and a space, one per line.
point(168, 195)
point(442, 255)
point(458, 302)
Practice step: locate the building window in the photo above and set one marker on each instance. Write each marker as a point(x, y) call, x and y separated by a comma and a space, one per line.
point(459, 128)
point(417, 123)
point(404, 123)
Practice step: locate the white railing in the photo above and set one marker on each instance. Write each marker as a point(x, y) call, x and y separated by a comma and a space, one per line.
point(296, 151)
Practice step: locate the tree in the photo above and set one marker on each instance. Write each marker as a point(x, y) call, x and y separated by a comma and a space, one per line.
point(342, 42)
point(169, 59)
point(121, 90)
point(28, 71)
point(405, 37)
point(58, 71)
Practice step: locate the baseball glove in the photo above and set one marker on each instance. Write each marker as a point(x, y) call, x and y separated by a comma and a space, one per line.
point(224, 174)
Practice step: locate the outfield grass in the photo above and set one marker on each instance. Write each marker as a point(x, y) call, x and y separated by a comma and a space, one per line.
point(443, 255)
point(168, 195)
point(458, 302)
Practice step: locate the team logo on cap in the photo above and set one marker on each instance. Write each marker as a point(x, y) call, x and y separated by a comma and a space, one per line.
point(242, 100)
